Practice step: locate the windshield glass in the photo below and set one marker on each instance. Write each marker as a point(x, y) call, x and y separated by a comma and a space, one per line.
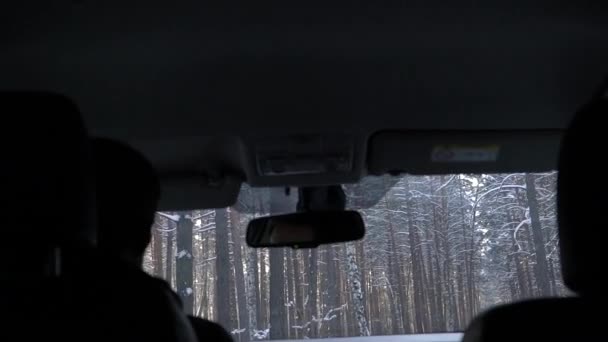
point(437, 251)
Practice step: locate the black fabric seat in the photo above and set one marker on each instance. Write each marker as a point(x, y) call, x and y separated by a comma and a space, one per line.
point(54, 285)
point(546, 319)
point(582, 232)
point(583, 228)
point(45, 208)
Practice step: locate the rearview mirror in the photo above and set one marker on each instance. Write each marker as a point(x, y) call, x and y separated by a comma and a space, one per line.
point(305, 229)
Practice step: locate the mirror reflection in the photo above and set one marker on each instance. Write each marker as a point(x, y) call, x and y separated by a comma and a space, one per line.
point(305, 229)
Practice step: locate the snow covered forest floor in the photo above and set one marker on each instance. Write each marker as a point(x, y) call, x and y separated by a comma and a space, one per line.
point(438, 249)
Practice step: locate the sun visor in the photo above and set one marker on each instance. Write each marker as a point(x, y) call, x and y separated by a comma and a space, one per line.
point(190, 193)
point(443, 152)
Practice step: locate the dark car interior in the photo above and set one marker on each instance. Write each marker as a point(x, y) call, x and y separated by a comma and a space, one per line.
point(309, 95)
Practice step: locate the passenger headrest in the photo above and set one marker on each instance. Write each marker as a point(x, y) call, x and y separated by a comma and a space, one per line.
point(44, 174)
point(583, 198)
point(547, 319)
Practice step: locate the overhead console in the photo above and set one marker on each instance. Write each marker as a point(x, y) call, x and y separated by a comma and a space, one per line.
point(305, 159)
point(442, 152)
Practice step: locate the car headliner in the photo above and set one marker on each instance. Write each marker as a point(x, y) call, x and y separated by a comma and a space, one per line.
point(173, 79)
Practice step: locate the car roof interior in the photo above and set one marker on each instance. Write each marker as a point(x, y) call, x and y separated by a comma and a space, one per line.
point(220, 94)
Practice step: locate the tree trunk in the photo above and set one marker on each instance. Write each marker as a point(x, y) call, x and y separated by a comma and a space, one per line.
point(263, 307)
point(394, 291)
point(418, 276)
point(541, 270)
point(203, 310)
point(468, 284)
point(299, 292)
point(354, 279)
point(439, 280)
point(365, 279)
point(376, 325)
point(345, 318)
point(519, 270)
point(289, 293)
point(157, 247)
point(399, 300)
point(452, 313)
point(332, 292)
point(528, 275)
point(278, 313)
point(313, 279)
point(169, 258)
point(222, 269)
point(512, 281)
point(184, 270)
point(243, 318)
point(252, 292)
point(430, 286)
point(460, 298)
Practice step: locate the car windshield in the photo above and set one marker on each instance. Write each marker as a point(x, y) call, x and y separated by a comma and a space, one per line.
point(437, 251)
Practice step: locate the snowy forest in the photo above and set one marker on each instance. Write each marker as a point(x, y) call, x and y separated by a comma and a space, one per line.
point(438, 249)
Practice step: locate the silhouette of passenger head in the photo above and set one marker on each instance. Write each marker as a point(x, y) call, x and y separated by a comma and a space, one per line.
point(128, 191)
